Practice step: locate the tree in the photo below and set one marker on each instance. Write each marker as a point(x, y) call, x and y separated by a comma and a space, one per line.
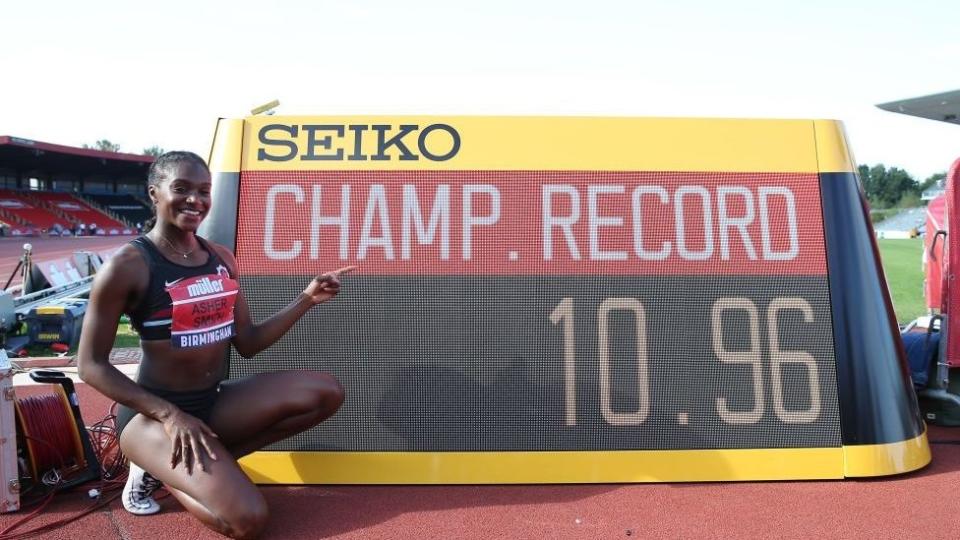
point(154, 151)
point(900, 186)
point(104, 145)
point(866, 180)
point(887, 187)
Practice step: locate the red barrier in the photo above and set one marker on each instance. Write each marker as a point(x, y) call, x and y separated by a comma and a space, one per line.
point(951, 296)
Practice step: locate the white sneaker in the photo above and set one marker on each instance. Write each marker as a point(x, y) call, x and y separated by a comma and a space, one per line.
point(138, 492)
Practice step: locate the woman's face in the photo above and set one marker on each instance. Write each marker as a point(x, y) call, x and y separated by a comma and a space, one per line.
point(183, 197)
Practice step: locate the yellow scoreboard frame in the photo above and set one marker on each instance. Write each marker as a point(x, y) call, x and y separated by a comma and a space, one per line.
point(880, 429)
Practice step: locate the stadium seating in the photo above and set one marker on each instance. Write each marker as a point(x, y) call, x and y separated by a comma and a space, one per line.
point(40, 211)
point(77, 210)
point(29, 212)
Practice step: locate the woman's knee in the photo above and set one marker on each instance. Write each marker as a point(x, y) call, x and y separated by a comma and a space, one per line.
point(246, 520)
point(319, 392)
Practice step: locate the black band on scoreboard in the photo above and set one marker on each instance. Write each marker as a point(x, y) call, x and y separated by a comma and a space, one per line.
point(221, 223)
point(426, 374)
point(876, 398)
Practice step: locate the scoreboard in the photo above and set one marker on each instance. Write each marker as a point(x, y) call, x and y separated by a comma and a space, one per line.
point(570, 299)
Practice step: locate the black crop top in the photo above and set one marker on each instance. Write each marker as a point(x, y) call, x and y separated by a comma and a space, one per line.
point(191, 306)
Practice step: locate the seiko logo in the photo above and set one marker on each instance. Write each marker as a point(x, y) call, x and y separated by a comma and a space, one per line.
point(205, 286)
point(338, 142)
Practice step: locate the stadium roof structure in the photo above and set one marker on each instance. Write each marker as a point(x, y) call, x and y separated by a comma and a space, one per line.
point(944, 107)
point(28, 156)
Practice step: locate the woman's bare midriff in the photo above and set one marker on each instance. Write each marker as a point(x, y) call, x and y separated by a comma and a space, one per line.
point(169, 368)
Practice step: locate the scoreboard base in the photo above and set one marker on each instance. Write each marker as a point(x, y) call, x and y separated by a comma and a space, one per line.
point(572, 467)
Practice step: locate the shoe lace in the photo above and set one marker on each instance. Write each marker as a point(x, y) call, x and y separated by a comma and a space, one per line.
point(147, 485)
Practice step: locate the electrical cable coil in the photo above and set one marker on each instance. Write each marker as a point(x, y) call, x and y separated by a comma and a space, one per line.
point(50, 434)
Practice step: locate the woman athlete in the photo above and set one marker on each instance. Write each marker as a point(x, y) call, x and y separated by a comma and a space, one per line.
point(181, 424)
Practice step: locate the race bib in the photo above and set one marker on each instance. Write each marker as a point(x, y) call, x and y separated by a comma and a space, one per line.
point(202, 310)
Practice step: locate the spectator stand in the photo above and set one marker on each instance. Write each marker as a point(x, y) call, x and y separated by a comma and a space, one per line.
point(27, 213)
point(78, 211)
point(46, 187)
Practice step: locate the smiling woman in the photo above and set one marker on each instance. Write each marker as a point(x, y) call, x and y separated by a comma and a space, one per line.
point(181, 164)
point(183, 299)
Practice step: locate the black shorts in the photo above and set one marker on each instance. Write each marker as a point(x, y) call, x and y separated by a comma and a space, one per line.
point(198, 403)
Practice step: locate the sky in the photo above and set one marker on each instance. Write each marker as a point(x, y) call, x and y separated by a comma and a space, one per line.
point(160, 73)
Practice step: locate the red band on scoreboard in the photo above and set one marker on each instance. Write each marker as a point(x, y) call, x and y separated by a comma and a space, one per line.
point(531, 223)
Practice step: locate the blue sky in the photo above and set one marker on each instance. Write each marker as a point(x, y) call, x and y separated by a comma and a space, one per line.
point(161, 73)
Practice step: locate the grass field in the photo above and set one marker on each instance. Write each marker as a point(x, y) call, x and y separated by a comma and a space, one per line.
point(126, 336)
point(901, 265)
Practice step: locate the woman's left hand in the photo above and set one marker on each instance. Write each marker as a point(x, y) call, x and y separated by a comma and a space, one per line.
point(325, 286)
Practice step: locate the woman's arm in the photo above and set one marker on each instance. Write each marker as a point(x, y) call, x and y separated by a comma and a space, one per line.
point(252, 338)
point(116, 282)
point(124, 275)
